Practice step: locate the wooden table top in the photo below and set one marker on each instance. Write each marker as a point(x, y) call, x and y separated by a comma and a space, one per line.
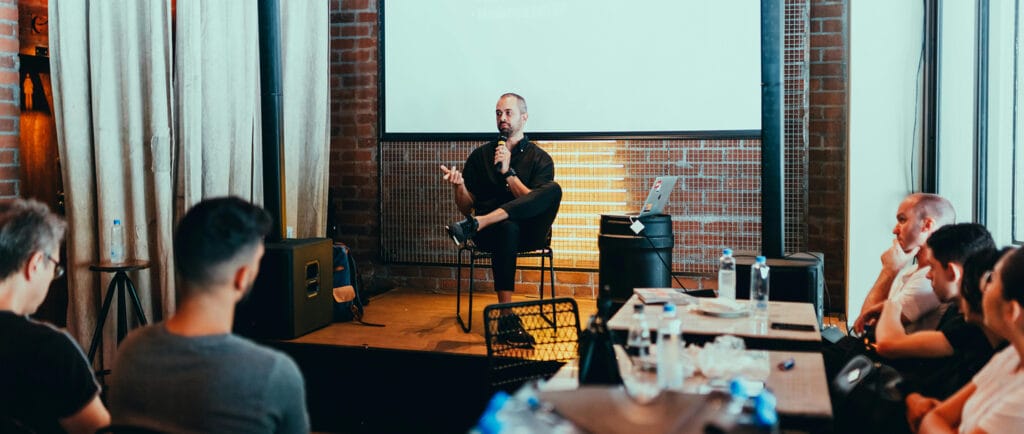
point(801, 392)
point(130, 265)
point(757, 336)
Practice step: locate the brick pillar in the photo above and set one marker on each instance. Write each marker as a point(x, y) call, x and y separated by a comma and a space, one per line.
point(829, 84)
point(10, 95)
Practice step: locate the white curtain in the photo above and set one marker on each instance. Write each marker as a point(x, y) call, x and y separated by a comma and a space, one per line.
point(305, 49)
point(141, 143)
point(217, 68)
point(110, 63)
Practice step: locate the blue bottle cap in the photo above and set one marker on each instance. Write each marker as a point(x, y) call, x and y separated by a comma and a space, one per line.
point(669, 307)
point(760, 259)
point(727, 252)
point(117, 221)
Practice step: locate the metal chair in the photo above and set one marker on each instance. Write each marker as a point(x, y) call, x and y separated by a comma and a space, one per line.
point(544, 253)
point(553, 323)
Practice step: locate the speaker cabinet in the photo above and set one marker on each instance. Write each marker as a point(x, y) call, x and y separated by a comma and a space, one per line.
point(293, 293)
point(799, 277)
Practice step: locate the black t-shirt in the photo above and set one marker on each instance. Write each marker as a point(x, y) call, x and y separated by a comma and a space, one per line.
point(45, 376)
point(942, 377)
point(532, 164)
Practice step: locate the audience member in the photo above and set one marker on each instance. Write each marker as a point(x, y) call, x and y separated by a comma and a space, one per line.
point(944, 359)
point(190, 373)
point(47, 384)
point(975, 270)
point(993, 402)
point(903, 277)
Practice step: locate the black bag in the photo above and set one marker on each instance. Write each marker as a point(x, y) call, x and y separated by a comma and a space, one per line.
point(597, 355)
point(867, 397)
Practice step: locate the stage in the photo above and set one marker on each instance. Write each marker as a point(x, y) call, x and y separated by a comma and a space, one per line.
point(419, 373)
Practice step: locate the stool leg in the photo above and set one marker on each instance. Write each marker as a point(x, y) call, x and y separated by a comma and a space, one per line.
point(551, 270)
point(140, 314)
point(97, 334)
point(122, 310)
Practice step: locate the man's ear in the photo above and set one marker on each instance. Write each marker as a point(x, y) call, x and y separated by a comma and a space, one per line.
point(34, 265)
point(928, 224)
point(240, 281)
point(955, 272)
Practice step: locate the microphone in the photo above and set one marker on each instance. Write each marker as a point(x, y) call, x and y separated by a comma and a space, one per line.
point(501, 142)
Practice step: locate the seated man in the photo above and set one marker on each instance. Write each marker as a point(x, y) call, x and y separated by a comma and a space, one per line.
point(47, 385)
point(508, 195)
point(190, 373)
point(993, 402)
point(960, 349)
point(903, 277)
point(977, 270)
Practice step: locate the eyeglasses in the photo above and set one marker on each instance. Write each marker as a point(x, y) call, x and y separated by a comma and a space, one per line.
point(58, 269)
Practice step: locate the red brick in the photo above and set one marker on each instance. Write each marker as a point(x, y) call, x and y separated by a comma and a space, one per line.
point(826, 11)
point(573, 277)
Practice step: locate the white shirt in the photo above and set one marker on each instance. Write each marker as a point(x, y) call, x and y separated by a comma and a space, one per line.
point(912, 289)
point(997, 406)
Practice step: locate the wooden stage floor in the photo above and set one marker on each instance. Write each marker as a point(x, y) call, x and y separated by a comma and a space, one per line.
point(421, 320)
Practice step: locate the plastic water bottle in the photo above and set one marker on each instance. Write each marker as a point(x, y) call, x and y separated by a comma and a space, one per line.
point(727, 275)
point(759, 289)
point(670, 361)
point(116, 242)
point(638, 343)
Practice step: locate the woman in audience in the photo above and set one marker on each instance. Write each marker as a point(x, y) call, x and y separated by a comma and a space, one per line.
point(976, 268)
point(993, 402)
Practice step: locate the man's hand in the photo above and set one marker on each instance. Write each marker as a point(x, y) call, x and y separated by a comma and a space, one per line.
point(894, 258)
point(917, 406)
point(868, 317)
point(502, 158)
point(453, 176)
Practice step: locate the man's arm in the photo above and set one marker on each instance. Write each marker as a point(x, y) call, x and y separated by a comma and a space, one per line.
point(463, 198)
point(87, 420)
point(893, 260)
point(892, 340)
point(516, 186)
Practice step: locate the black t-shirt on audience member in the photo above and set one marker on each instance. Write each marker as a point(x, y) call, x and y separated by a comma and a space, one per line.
point(45, 376)
point(942, 377)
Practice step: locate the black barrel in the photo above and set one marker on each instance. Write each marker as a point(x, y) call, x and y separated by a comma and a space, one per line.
point(635, 260)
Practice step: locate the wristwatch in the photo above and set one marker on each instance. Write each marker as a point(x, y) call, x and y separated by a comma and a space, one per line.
point(511, 172)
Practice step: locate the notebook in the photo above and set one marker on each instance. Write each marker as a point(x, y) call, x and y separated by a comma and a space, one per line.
point(658, 197)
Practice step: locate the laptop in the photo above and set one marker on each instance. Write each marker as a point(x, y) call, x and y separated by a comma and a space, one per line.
point(658, 197)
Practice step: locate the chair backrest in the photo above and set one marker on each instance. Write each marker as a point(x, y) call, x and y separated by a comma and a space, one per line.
point(554, 324)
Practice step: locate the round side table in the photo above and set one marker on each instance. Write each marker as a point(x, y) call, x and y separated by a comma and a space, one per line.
point(123, 285)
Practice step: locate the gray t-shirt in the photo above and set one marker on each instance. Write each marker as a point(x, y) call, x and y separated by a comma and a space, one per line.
point(220, 383)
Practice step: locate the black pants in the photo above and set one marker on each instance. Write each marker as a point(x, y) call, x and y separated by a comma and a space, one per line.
point(527, 228)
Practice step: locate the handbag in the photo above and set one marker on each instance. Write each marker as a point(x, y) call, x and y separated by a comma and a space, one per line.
point(867, 397)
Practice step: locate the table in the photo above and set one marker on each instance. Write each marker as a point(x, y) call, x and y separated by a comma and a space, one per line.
point(124, 287)
point(700, 328)
point(802, 392)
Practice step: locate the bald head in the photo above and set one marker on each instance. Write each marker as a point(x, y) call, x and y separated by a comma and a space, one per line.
point(934, 207)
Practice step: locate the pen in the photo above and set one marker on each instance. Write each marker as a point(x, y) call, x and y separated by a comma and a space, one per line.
point(787, 364)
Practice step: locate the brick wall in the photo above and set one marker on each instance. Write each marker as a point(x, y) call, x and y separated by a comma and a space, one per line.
point(10, 94)
point(355, 161)
point(829, 80)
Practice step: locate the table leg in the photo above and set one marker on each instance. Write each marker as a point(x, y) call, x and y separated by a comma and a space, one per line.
point(139, 313)
point(97, 334)
point(122, 311)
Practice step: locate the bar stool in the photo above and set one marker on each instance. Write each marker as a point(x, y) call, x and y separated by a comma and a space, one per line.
point(123, 285)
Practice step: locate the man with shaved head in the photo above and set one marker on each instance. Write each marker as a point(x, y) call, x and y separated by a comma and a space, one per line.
point(904, 275)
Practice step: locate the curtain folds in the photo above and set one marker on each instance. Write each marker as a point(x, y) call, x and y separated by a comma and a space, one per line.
point(150, 122)
point(111, 83)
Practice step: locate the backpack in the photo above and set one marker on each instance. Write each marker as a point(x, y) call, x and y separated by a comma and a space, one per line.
point(348, 303)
